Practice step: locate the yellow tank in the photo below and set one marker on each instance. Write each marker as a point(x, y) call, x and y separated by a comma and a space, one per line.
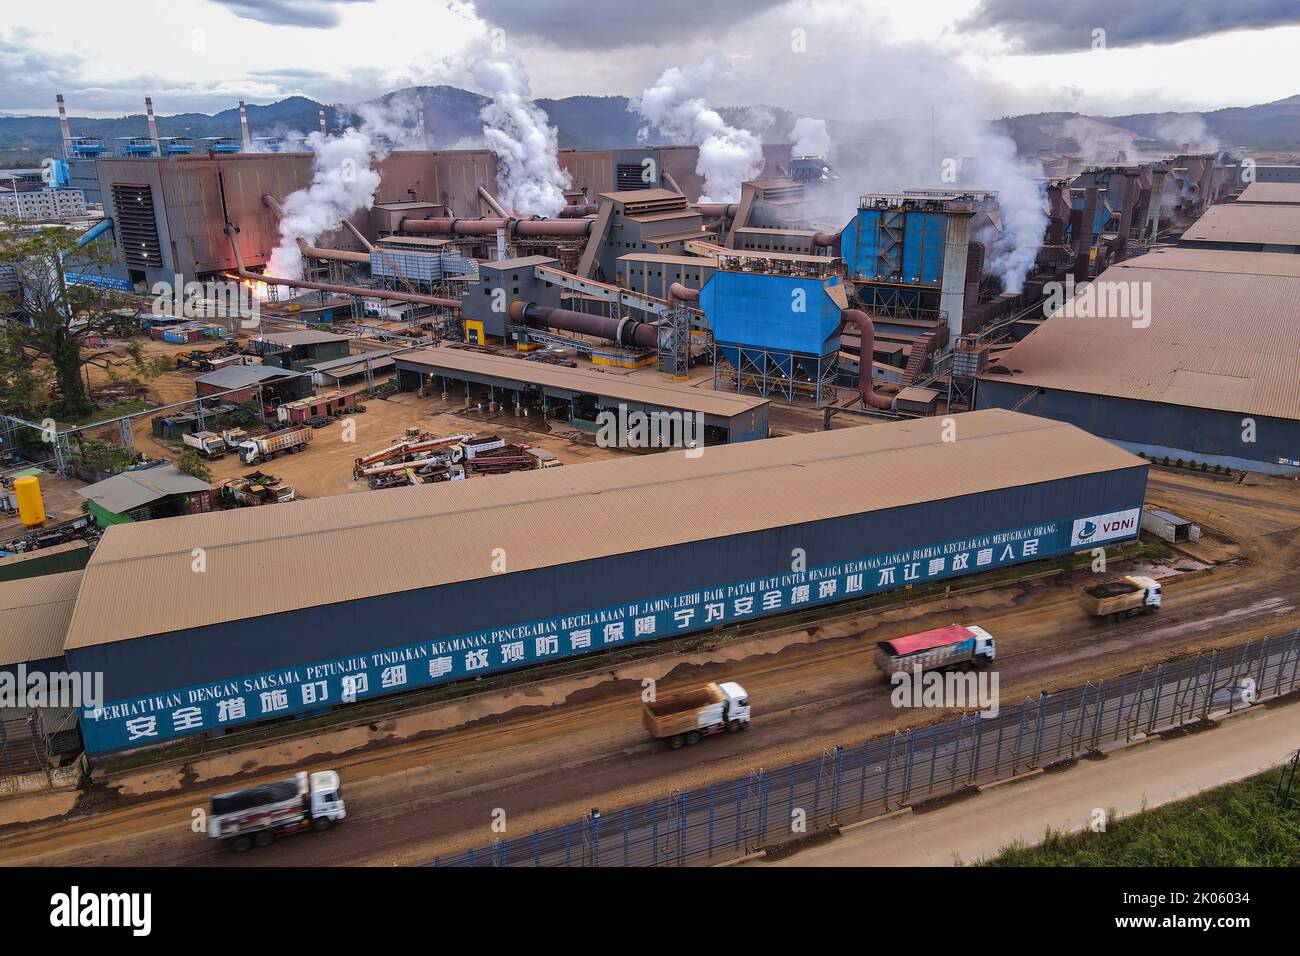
point(31, 508)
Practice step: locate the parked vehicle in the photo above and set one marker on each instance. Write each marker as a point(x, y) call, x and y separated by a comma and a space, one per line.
point(255, 489)
point(1116, 600)
point(955, 646)
point(268, 446)
point(685, 717)
point(208, 444)
point(255, 816)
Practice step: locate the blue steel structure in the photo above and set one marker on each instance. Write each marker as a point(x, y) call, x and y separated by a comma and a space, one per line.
point(775, 333)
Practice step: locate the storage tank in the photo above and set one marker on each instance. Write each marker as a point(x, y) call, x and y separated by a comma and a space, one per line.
point(31, 508)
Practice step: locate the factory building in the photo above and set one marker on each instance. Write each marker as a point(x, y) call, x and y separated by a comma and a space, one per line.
point(428, 607)
point(1202, 367)
point(646, 220)
point(500, 282)
point(584, 394)
point(1246, 227)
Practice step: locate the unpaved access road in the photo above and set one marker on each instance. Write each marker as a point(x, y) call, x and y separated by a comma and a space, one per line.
point(547, 755)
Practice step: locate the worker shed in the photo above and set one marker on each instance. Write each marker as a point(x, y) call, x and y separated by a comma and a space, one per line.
point(1200, 366)
point(241, 382)
point(160, 490)
point(583, 393)
point(298, 348)
point(636, 550)
point(355, 368)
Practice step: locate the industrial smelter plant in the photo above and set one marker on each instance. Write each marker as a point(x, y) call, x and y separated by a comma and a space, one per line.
point(728, 299)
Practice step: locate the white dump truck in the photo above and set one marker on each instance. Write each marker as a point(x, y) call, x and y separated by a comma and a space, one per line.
point(958, 646)
point(257, 815)
point(685, 717)
point(207, 444)
point(267, 447)
point(1116, 600)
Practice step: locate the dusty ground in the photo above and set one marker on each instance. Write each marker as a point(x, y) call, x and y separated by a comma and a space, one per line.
point(427, 782)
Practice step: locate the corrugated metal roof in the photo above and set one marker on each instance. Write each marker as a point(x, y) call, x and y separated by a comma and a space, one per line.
point(236, 376)
point(662, 394)
point(1216, 340)
point(34, 616)
point(1247, 222)
point(302, 337)
point(1286, 193)
point(139, 581)
point(1231, 261)
point(133, 489)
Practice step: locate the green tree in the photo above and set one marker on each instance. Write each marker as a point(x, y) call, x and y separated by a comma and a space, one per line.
point(54, 319)
point(190, 463)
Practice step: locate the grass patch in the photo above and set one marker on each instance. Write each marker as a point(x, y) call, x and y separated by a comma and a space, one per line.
point(1240, 824)
point(129, 407)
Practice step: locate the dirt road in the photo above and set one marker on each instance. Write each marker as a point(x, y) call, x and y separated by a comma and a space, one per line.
point(549, 753)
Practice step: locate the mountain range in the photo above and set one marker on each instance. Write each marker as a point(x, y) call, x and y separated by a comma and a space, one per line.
point(595, 122)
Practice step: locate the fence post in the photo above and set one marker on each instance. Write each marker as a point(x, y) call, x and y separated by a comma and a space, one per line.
point(1020, 734)
point(711, 810)
point(1209, 688)
point(1155, 697)
point(862, 783)
point(681, 829)
point(956, 752)
point(839, 778)
point(907, 767)
point(1042, 727)
point(1094, 740)
point(889, 768)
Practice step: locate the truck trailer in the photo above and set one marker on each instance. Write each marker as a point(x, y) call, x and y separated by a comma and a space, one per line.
point(685, 717)
point(955, 646)
point(1116, 600)
point(268, 446)
point(209, 445)
point(255, 816)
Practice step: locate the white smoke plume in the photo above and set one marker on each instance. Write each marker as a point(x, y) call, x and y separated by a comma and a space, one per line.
point(529, 178)
point(343, 183)
point(1188, 129)
point(675, 105)
point(810, 137)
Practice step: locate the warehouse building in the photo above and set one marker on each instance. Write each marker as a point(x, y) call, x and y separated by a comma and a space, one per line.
point(644, 549)
point(726, 418)
point(1246, 227)
point(238, 383)
point(1212, 378)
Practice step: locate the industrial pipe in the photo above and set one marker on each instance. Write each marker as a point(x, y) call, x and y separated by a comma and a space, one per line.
point(626, 331)
point(491, 200)
point(94, 232)
point(578, 210)
point(717, 210)
point(519, 228)
point(329, 287)
point(315, 252)
point(681, 293)
point(866, 351)
point(829, 240)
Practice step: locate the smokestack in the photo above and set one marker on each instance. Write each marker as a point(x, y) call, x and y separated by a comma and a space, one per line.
point(243, 126)
point(63, 126)
point(323, 130)
point(419, 119)
point(153, 126)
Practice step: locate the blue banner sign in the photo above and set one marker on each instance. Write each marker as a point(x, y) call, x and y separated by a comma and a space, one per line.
point(320, 685)
point(95, 279)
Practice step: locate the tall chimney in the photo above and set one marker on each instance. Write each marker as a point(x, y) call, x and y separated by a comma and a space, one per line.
point(153, 126)
point(419, 118)
point(323, 130)
point(63, 126)
point(243, 126)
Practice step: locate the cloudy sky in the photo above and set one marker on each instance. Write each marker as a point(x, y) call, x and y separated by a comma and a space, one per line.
point(845, 59)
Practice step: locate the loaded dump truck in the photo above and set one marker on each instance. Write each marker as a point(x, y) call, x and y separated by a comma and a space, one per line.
point(955, 646)
point(1120, 599)
point(208, 444)
point(685, 717)
point(268, 446)
point(255, 816)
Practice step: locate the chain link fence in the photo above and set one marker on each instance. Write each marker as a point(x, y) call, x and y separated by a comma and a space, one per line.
point(727, 820)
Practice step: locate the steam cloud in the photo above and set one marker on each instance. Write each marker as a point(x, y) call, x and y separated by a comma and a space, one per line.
point(676, 106)
point(344, 179)
point(529, 177)
point(810, 137)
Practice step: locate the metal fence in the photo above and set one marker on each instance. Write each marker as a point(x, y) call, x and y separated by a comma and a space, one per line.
point(769, 807)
